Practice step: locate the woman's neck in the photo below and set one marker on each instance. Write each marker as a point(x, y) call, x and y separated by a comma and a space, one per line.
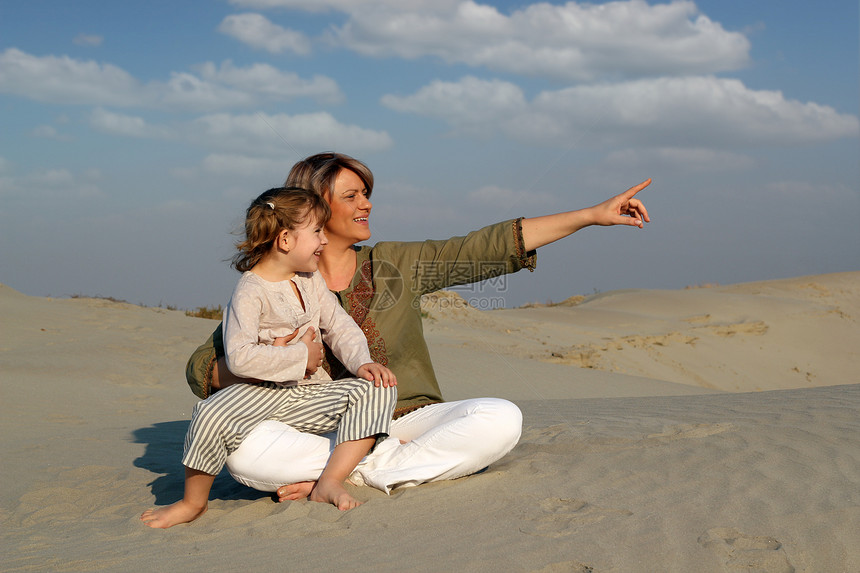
point(337, 265)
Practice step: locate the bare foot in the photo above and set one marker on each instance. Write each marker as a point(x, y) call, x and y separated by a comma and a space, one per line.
point(333, 492)
point(170, 515)
point(295, 491)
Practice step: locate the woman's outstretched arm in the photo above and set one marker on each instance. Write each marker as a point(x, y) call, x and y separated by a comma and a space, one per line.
point(622, 209)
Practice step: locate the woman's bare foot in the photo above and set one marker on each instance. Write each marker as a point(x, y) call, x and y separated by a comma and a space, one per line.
point(295, 491)
point(333, 492)
point(170, 515)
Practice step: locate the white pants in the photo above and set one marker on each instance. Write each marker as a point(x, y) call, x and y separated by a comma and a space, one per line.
point(444, 441)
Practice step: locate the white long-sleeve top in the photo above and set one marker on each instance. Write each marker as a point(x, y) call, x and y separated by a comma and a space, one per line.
point(260, 311)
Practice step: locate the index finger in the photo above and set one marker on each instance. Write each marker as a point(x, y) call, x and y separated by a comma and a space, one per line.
point(627, 195)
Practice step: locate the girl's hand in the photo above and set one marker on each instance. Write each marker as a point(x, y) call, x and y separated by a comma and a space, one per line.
point(377, 373)
point(315, 350)
point(623, 209)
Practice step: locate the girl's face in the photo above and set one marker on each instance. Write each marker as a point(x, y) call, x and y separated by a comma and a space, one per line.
point(305, 245)
point(350, 209)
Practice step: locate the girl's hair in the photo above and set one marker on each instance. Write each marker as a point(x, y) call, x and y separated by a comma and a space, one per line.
point(319, 171)
point(270, 213)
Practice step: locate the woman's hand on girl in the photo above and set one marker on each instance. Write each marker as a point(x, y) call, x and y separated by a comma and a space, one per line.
point(378, 374)
point(315, 350)
point(283, 340)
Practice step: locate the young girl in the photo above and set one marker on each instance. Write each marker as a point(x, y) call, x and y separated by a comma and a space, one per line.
point(280, 296)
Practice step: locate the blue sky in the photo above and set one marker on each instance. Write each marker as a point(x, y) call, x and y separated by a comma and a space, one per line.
point(135, 133)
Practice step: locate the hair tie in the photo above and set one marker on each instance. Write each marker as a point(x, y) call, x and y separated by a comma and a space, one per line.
point(272, 205)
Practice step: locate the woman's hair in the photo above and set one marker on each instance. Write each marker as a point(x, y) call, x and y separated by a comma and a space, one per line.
point(270, 213)
point(319, 171)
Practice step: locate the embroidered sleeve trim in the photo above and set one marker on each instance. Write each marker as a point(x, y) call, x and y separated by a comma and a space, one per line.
point(207, 376)
point(526, 259)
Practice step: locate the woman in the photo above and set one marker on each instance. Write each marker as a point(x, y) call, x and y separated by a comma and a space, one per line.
point(381, 287)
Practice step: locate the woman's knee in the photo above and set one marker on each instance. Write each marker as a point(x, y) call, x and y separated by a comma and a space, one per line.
point(496, 422)
point(494, 426)
point(505, 418)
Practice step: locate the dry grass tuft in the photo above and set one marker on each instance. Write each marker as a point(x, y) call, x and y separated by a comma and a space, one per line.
point(212, 312)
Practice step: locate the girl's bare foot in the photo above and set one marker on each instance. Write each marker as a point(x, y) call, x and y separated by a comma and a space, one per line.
point(333, 492)
point(295, 491)
point(170, 515)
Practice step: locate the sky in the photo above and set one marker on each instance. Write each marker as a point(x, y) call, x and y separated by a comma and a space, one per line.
point(133, 135)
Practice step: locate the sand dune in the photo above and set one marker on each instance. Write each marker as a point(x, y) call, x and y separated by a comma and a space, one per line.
point(794, 333)
point(708, 429)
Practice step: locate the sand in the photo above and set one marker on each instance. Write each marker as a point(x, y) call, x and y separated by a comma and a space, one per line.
point(697, 430)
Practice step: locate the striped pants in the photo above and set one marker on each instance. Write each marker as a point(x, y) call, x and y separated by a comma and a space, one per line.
point(352, 406)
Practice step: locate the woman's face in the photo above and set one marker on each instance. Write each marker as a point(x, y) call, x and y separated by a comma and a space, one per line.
point(350, 209)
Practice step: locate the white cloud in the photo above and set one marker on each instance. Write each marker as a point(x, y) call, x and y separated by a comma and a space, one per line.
point(571, 41)
point(126, 125)
point(701, 111)
point(346, 5)
point(471, 104)
point(689, 159)
point(51, 177)
point(247, 135)
point(187, 91)
point(814, 191)
point(61, 79)
point(244, 166)
point(257, 31)
point(502, 199)
point(49, 132)
point(268, 81)
point(281, 133)
point(88, 40)
point(64, 80)
point(57, 186)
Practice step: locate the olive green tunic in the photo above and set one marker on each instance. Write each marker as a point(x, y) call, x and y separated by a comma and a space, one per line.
point(384, 298)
